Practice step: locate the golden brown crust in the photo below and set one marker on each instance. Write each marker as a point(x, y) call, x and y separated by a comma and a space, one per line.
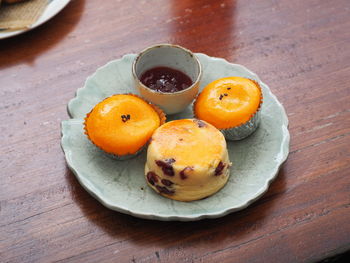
point(13, 1)
point(195, 114)
point(160, 113)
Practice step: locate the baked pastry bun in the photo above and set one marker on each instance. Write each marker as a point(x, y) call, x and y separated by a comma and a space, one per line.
point(122, 124)
point(187, 160)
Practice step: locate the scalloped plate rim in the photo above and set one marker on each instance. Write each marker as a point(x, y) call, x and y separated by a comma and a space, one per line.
point(89, 188)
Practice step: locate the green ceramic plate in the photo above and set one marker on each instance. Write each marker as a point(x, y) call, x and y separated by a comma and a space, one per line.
point(120, 185)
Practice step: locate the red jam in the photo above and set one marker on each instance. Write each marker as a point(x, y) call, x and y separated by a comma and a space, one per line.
point(165, 79)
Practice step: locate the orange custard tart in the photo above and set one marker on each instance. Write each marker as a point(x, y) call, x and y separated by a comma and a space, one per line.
point(122, 124)
point(187, 160)
point(232, 105)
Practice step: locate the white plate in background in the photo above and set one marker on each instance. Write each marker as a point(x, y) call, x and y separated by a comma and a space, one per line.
point(53, 7)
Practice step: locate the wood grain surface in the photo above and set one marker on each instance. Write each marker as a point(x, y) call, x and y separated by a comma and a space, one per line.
point(299, 48)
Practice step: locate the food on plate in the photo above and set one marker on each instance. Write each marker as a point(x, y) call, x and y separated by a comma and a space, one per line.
point(122, 124)
point(13, 1)
point(187, 160)
point(22, 15)
point(231, 104)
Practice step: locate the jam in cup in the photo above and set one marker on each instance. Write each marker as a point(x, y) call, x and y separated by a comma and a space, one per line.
point(168, 76)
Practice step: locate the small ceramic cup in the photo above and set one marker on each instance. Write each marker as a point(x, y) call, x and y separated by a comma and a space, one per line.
point(175, 57)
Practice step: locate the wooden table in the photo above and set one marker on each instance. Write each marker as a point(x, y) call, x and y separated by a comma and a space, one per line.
point(299, 48)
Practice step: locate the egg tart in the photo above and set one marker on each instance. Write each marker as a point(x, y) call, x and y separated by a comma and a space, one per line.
point(187, 160)
point(122, 124)
point(232, 105)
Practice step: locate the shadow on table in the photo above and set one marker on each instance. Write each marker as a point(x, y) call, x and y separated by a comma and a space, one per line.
point(25, 48)
point(142, 231)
